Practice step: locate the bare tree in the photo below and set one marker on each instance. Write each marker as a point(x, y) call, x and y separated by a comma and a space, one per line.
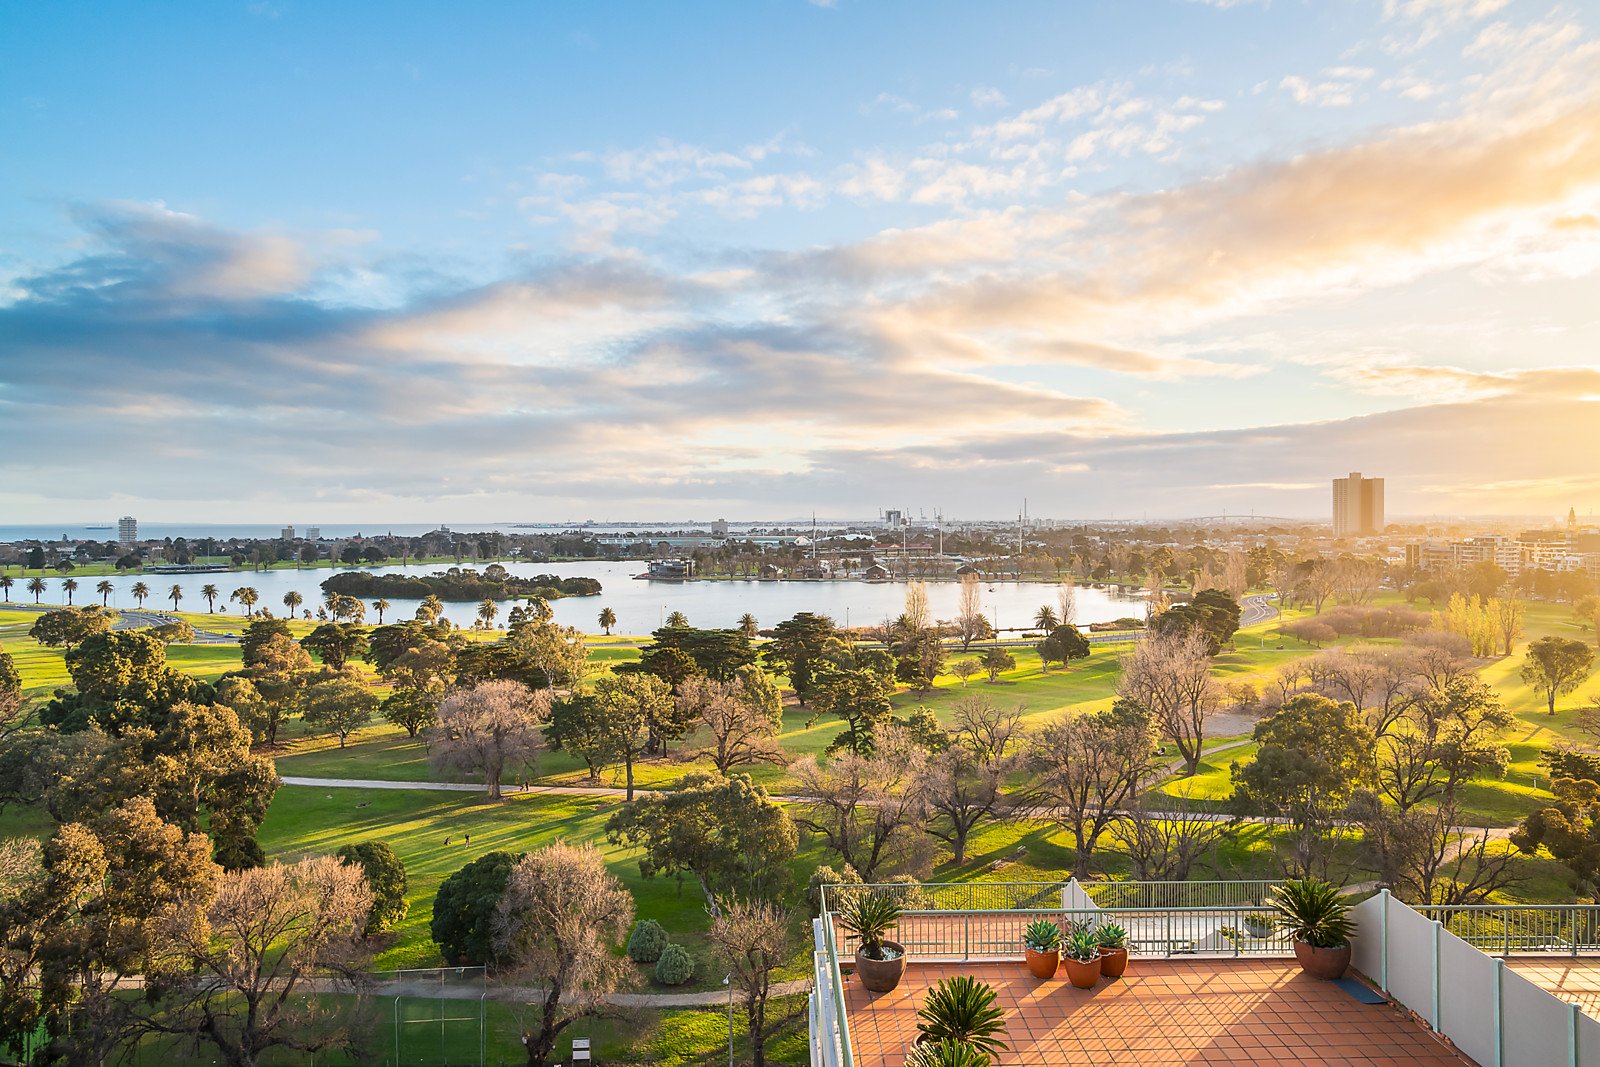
point(970, 622)
point(965, 784)
point(558, 924)
point(869, 809)
point(1170, 675)
point(1067, 603)
point(1089, 766)
point(1235, 574)
point(269, 935)
point(917, 616)
point(1164, 845)
point(489, 728)
point(742, 717)
point(1508, 614)
point(752, 941)
point(1427, 857)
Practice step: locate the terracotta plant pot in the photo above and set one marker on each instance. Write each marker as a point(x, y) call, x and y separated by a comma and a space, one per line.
point(1324, 963)
point(881, 976)
point(1042, 964)
point(1083, 975)
point(1113, 962)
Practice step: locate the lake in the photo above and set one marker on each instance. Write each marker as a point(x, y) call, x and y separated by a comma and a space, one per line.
point(641, 606)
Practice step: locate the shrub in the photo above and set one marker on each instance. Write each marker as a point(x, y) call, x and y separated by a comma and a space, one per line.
point(907, 892)
point(675, 966)
point(946, 1054)
point(464, 910)
point(647, 942)
point(962, 1009)
point(825, 875)
point(1042, 935)
point(1313, 911)
point(1310, 631)
point(870, 917)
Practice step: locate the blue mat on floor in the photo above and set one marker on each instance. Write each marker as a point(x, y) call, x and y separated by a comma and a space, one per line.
point(1360, 990)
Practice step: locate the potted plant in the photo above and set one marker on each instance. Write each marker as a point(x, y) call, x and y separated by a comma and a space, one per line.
point(1258, 924)
point(946, 1054)
point(962, 1010)
point(1316, 917)
point(1113, 942)
point(1081, 954)
point(1041, 944)
point(879, 961)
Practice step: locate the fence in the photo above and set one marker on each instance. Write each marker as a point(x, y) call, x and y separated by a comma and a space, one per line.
point(1495, 1016)
point(1505, 930)
point(438, 1017)
point(1024, 896)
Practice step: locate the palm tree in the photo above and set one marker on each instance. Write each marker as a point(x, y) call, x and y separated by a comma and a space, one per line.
point(608, 619)
point(36, 587)
point(292, 601)
point(747, 624)
point(1046, 618)
point(380, 606)
point(210, 592)
point(487, 611)
point(175, 594)
point(678, 620)
point(71, 586)
point(5, 586)
point(247, 597)
point(140, 591)
point(105, 589)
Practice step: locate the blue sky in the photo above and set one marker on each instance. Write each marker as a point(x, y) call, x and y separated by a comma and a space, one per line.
point(535, 261)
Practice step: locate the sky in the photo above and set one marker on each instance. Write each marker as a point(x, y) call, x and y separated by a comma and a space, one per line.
point(284, 261)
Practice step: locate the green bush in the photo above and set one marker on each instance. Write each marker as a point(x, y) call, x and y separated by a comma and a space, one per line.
point(386, 877)
point(675, 966)
point(825, 875)
point(463, 910)
point(647, 941)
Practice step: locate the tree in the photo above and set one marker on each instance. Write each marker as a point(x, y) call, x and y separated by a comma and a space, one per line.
point(860, 697)
point(796, 647)
point(718, 653)
point(1046, 619)
point(1064, 644)
point(105, 589)
point(557, 655)
point(139, 591)
point(292, 602)
point(36, 586)
point(84, 926)
point(1089, 765)
point(337, 643)
point(413, 710)
point(578, 726)
point(70, 626)
point(559, 924)
point(341, 705)
point(464, 909)
point(724, 832)
point(11, 702)
point(270, 934)
point(635, 709)
point(752, 941)
point(748, 625)
point(69, 586)
point(1165, 846)
point(36, 558)
point(1067, 603)
point(1212, 613)
point(6, 582)
point(677, 618)
point(742, 717)
point(970, 622)
point(489, 729)
point(386, 881)
point(1170, 675)
point(176, 632)
point(1588, 609)
point(964, 785)
point(869, 809)
point(256, 635)
point(965, 669)
point(1427, 857)
point(122, 681)
point(1446, 737)
point(1557, 665)
point(175, 594)
point(996, 661)
point(210, 592)
point(608, 619)
point(1508, 614)
point(487, 610)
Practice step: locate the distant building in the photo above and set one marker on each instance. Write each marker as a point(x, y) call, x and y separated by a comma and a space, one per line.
point(128, 529)
point(1357, 505)
point(894, 519)
point(719, 528)
point(287, 533)
point(313, 533)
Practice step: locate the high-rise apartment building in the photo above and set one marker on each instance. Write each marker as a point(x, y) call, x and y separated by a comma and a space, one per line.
point(287, 533)
point(127, 529)
point(1357, 505)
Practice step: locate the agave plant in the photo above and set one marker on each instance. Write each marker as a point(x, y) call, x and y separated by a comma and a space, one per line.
point(1081, 945)
point(1111, 936)
point(870, 916)
point(962, 1010)
point(1042, 935)
point(1313, 911)
point(947, 1054)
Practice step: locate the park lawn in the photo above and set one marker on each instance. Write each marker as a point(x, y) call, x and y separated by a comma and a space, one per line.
point(1212, 781)
point(307, 821)
point(208, 662)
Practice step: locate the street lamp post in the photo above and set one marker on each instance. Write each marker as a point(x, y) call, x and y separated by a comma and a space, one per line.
point(728, 981)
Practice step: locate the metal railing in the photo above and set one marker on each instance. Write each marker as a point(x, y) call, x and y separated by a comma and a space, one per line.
point(1023, 896)
point(1213, 894)
point(1509, 929)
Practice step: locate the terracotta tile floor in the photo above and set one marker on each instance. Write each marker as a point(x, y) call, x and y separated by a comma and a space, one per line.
point(1243, 1012)
point(1576, 981)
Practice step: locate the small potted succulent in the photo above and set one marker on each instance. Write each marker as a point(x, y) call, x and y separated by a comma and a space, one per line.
point(1081, 954)
point(1316, 917)
point(1041, 944)
point(879, 961)
point(1258, 924)
point(1113, 942)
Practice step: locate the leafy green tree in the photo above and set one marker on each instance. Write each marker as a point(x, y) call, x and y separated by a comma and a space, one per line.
point(1569, 828)
point(578, 726)
point(860, 697)
point(36, 586)
point(1046, 619)
point(176, 632)
point(1557, 665)
point(797, 646)
point(292, 601)
point(36, 559)
point(724, 832)
point(122, 681)
point(70, 626)
point(69, 586)
point(1212, 612)
point(10, 694)
point(748, 625)
point(340, 705)
point(464, 909)
point(139, 590)
point(413, 710)
point(672, 665)
point(1064, 644)
point(6, 582)
point(996, 661)
point(257, 634)
point(637, 709)
point(380, 606)
point(717, 653)
point(386, 878)
point(677, 618)
point(337, 643)
point(105, 589)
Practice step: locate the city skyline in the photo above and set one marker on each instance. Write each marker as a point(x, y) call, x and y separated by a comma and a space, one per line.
point(516, 265)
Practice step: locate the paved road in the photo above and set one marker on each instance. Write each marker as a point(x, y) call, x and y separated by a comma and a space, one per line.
point(1256, 609)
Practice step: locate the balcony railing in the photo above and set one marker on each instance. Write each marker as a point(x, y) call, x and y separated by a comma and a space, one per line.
point(1509, 929)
